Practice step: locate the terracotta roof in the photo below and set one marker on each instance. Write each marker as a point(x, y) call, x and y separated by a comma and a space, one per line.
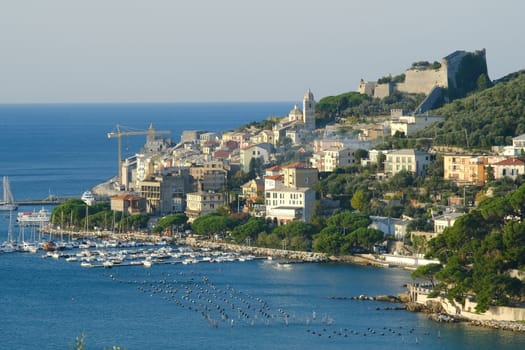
point(274, 168)
point(510, 161)
point(221, 154)
point(274, 177)
point(296, 165)
point(126, 196)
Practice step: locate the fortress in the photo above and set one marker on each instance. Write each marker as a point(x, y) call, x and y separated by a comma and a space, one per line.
point(423, 77)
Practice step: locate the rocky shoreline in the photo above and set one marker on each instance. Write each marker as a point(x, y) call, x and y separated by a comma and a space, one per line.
point(436, 313)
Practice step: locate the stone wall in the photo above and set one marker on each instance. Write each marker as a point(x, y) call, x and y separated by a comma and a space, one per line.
point(423, 81)
point(494, 313)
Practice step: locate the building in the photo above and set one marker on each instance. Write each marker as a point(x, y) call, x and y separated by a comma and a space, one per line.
point(465, 169)
point(288, 194)
point(164, 194)
point(407, 125)
point(299, 175)
point(286, 204)
point(304, 118)
point(128, 204)
point(253, 189)
point(265, 136)
point(423, 77)
point(202, 202)
point(191, 136)
point(446, 220)
point(253, 152)
point(211, 174)
point(309, 110)
point(519, 141)
point(410, 160)
point(508, 168)
point(331, 158)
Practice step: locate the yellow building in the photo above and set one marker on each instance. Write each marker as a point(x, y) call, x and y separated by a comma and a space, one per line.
point(465, 169)
point(200, 203)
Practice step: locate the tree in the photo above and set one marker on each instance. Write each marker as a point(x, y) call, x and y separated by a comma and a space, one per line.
point(360, 201)
point(295, 235)
point(483, 82)
point(347, 221)
point(251, 229)
point(428, 272)
point(328, 240)
point(360, 154)
point(255, 168)
point(169, 221)
point(381, 157)
point(367, 237)
point(213, 223)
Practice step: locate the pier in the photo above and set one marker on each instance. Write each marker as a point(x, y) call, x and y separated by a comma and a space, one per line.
point(51, 200)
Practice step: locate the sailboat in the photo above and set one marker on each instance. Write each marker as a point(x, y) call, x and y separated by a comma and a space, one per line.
point(7, 202)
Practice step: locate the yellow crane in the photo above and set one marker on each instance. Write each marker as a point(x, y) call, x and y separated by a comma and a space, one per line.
point(151, 132)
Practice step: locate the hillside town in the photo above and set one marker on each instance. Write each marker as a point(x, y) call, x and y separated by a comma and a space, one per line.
point(277, 170)
point(192, 176)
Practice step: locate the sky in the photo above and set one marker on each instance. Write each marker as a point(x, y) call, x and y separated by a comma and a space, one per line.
point(237, 50)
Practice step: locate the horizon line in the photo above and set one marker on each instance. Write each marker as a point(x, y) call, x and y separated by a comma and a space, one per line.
point(139, 102)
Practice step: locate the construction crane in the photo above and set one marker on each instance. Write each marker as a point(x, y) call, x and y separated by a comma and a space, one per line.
point(151, 132)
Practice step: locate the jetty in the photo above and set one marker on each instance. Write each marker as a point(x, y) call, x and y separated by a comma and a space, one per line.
point(52, 200)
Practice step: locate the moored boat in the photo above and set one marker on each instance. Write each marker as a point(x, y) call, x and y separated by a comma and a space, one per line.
point(33, 218)
point(7, 202)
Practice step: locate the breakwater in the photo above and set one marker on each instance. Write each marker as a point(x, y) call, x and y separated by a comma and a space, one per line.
point(269, 252)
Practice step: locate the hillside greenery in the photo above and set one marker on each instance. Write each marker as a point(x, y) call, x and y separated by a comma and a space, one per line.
point(354, 104)
point(483, 119)
point(477, 253)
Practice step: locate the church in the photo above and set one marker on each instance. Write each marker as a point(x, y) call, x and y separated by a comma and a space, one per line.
point(306, 117)
point(298, 123)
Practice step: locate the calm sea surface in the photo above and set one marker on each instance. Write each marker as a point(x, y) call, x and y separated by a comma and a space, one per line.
point(46, 303)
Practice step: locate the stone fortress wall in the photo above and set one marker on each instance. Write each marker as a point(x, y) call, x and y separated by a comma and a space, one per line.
point(419, 80)
point(422, 81)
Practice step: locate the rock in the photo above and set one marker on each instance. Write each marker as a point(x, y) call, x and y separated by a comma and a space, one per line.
point(388, 298)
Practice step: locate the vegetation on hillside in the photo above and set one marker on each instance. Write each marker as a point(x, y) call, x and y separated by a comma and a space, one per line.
point(478, 252)
point(486, 118)
point(354, 104)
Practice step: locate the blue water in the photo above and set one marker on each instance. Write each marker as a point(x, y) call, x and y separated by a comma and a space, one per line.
point(64, 149)
point(46, 303)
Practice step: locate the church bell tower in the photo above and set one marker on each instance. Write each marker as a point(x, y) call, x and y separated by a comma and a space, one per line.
point(309, 110)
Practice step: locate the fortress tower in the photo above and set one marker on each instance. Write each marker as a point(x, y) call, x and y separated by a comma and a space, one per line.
point(309, 110)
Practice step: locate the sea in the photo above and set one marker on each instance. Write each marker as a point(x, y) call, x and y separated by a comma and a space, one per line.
point(63, 149)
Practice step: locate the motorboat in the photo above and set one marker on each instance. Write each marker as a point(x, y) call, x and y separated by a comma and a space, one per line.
point(88, 198)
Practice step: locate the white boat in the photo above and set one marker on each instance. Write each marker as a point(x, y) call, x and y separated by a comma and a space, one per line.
point(7, 202)
point(88, 198)
point(33, 218)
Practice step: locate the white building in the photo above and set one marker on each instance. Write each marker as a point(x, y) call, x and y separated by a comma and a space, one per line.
point(446, 220)
point(331, 158)
point(252, 152)
point(407, 125)
point(410, 160)
point(511, 168)
point(286, 204)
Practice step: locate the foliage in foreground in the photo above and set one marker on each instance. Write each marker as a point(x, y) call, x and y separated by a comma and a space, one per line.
point(478, 252)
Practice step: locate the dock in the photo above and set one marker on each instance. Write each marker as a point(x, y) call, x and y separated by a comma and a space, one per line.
point(54, 200)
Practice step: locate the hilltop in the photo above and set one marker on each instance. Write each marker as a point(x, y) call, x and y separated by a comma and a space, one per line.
point(489, 117)
point(421, 87)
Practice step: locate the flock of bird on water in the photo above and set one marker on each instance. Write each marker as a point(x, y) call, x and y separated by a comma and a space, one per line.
point(230, 307)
